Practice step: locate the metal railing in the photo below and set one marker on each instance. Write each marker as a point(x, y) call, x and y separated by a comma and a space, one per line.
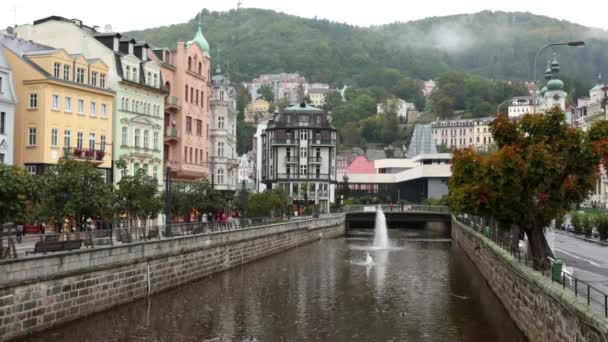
point(591, 295)
point(15, 246)
point(397, 208)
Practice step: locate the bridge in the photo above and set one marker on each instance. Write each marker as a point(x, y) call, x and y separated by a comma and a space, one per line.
point(397, 215)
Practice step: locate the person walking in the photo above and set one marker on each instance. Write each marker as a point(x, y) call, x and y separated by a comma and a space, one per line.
point(19, 233)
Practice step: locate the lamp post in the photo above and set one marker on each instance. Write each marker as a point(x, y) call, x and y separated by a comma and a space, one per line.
point(502, 104)
point(579, 44)
point(168, 196)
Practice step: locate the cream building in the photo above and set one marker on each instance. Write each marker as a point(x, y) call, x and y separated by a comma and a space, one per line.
point(463, 133)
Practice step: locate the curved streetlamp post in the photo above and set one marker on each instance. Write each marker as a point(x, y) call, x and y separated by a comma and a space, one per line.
point(579, 44)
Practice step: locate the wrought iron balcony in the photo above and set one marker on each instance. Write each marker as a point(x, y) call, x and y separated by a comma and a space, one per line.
point(84, 154)
point(172, 102)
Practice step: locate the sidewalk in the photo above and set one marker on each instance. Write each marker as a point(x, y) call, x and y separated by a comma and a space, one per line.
point(603, 243)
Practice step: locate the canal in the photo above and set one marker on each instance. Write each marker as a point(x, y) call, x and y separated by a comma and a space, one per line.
point(423, 289)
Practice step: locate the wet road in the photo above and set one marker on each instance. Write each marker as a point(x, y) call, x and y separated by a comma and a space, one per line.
point(425, 289)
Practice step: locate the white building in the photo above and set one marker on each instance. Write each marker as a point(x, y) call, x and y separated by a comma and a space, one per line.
point(463, 133)
point(521, 105)
point(8, 100)
point(224, 159)
point(429, 86)
point(299, 156)
point(401, 106)
point(282, 84)
point(246, 172)
point(257, 156)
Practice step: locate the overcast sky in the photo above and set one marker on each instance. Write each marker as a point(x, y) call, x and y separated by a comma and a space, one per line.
point(125, 15)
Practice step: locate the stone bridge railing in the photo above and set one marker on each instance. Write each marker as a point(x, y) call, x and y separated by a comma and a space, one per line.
point(397, 208)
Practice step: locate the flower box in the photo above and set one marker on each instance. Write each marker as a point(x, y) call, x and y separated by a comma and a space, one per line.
point(77, 153)
point(89, 153)
point(100, 154)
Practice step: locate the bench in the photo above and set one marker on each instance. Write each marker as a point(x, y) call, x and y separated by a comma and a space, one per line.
point(152, 233)
point(57, 246)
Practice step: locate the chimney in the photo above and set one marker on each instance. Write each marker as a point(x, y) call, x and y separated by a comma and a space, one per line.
point(130, 47)
point(116, 44)
point(144, 53)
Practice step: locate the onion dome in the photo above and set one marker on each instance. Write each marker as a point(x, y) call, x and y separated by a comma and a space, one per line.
point(200, 39)
point(548, 72)
point(555, 84)
point(543, 91)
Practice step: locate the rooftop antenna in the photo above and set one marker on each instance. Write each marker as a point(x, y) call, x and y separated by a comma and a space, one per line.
point(239, 4)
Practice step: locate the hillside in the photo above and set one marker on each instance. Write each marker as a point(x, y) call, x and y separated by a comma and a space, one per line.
point(493, 44)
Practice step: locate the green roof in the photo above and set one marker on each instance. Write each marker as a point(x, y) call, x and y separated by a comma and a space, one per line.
point(303, 109)
point(555, 84)
point(200, 39)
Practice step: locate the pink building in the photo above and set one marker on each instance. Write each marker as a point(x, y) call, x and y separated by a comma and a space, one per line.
point(187, 76)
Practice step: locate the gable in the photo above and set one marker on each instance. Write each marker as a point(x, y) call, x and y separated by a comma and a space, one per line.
point(130, 59)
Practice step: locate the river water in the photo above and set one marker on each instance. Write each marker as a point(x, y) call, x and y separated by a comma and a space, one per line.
point(425, 289)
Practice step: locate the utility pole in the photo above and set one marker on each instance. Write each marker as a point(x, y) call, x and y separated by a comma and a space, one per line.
point(168, 196)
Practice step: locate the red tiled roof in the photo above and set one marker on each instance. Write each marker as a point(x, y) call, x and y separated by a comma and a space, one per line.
point(361, 165)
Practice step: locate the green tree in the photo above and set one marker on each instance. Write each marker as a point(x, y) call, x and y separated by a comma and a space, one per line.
point(333, 99)
point(75, 190)
point(205, 199)
point(410, 90)
point(542, 167)
point(243, 200)
point(137, 196)
point(350, 135)
point(244, 137)
point(266, 92)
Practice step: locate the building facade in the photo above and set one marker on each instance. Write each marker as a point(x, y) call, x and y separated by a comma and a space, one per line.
point(317, 96)
point(257, 110)
point(67, 106)
point(256, 157)
point(401, 107)
point(299, 155)
point(137, 112)
point(283, 85)
point(8, 101)
point(224, 159)
point(463, 133)
point(521, 105)
point(186, 74)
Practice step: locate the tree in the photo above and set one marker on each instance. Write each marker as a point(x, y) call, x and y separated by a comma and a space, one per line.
point(350, 135)
point(15, 192)
point(137, 196)
point(541, 168)
point(268, 202)
point(244, 140)
point(265, 91)
point(75, 190)
point(410, 90)
point(332, 100)
point(205, 199)
point(243, 200)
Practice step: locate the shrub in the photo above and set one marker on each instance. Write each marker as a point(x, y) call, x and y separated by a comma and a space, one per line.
point(577, 222)
point(602, 226)
point(588, 224)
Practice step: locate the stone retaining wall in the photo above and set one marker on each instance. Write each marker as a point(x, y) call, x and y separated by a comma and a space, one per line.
point(38, 293)
point(543, 310)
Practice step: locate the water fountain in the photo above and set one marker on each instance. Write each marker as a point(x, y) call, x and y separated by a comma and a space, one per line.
point(381, 233)
point(368, 259)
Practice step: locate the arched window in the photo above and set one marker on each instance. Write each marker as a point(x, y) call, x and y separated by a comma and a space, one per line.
point(126, 107)
point(191, 95)
point(168, 87)
point(196, 97)
point(200, 68)
point(189, 63)
point(202, 99)
point(186, 93)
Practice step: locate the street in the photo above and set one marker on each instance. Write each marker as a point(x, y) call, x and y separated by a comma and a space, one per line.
point(589, 260)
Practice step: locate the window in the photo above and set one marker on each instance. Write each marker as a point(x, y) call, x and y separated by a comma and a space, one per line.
point(68, 104)
point(125, 135)
point(186, 154)
point(200, 68)
point(57, 70)
point(303, 152)
point(81, 106)
point(31, 169)
point(128, 73)
point(80, 75)
point(104, 111)
point(136, 139)
point(220, 122)
point(54, 140)
point(102, 80)
point(149, 79)
point(196, 156)
point(303, 169)
point(155, 80)
point(102, 142)
point(2, 123)
point(135, 78)
point(55, 105)
point(201, 155)
point(79, 140)
point(94, 79)
point(190, 155)
point(220, 149)
point(66, 72)
point(189, 125)
point(93, 109)
point(199, 127)
point(202, 99)
point(196, 97)
point(67, 138)
point(155, 172)
point(91, 141)
point(189, 63)
point(146, 138)
point(33, 100)
point(156, 139)
point(220, 176)
point(303, 134)
point(31, 136)
point(186, 93)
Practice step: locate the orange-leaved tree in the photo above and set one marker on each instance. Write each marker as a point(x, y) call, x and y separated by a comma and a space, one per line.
point(541, 168)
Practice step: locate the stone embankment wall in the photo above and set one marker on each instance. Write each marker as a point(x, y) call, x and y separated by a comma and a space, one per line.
point(40, 292)
point(543, 310)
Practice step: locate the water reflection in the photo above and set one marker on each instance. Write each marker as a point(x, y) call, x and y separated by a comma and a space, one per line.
point(424, 290)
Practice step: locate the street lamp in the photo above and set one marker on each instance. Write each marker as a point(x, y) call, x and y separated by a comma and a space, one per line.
point(578, 44)
point(502, 104)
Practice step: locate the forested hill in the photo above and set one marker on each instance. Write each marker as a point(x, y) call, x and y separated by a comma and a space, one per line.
point(493, 44)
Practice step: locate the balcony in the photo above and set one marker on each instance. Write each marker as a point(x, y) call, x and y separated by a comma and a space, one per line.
point(172, 103)
point(310, 176)
point(322, 142)
point(292, 160)
point(283, 142)
point(95, 157)
point(171, 135)
point(183, 170)
point(314, 160)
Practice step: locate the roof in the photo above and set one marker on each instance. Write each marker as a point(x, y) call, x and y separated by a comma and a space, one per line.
point(200, 39)
point(361, 165)
point(319, 91)
point(398, 163)
point(422, 141)
point(303, 108)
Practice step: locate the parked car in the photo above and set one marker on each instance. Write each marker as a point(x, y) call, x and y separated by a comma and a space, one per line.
point(568, 227)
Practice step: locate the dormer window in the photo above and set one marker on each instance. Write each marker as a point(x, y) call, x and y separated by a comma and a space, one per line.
point(135, 74)
point(155, 80)
point(80, 75)
point(128, 73)
point(149, 80)
point(57, 70)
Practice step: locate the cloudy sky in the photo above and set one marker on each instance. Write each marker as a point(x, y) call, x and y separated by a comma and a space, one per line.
point(127, 15)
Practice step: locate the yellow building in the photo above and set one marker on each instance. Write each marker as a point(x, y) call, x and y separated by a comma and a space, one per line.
point(257, 110)
point(65, 107)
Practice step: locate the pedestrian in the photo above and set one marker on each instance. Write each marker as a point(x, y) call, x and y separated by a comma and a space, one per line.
point(19, 233)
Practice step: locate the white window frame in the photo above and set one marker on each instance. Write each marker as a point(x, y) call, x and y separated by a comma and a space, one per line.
point(81, 106)
point(32, 138)
point(136, 137)
point(104, 110)
point(33, 101)
point(156, 139)
point(125, 136)
point(80, 75)
point(54, 137)
point(55, 105)
point(93, 108)
point(67, 138)
point(146, 138)
point(94, 78)
point(79, 140)
point(92, 141)
point(67, 70)
point(68, 104)
point(57, 70)
point(102, 80)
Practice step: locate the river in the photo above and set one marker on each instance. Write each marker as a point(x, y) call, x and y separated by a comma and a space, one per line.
point(424, 289)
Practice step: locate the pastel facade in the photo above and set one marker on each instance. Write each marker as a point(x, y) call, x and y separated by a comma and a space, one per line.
point(8, 101)
point(65, 111)
point(137, 109)
point(186, 73)
point(463, 133)
point(257, 110)
point(224, 158)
